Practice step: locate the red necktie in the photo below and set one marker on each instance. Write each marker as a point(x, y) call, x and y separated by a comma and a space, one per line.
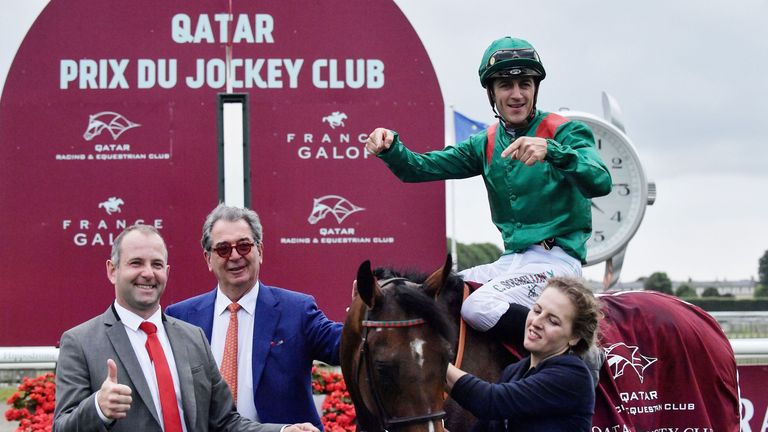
point(171, 417)
point(229, 360)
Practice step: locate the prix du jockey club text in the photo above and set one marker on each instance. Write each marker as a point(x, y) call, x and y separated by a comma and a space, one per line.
point(266, 73)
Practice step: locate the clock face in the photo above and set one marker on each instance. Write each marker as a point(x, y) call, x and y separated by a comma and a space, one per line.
point(616, 216)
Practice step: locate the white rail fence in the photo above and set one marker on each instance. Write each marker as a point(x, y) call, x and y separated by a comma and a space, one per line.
point(748, 332)
point(754, 350)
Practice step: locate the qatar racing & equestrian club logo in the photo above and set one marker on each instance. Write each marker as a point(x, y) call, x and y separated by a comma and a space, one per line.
point(619, 356)
point(116, 124)
point(336, 205)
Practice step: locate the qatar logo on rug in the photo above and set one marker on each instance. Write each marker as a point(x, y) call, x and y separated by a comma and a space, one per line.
point(621, 356)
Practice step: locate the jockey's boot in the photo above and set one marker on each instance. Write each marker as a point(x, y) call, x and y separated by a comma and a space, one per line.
point(594, 358)
point(511, 327)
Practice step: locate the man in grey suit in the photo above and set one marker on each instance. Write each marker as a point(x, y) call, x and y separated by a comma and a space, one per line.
point(107, 379)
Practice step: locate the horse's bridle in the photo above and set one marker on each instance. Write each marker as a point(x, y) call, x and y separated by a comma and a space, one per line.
point(385, 421)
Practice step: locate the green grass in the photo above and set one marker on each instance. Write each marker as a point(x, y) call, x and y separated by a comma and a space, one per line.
point(5, 393)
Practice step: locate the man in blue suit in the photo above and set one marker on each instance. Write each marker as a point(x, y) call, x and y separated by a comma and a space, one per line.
point(267, 357)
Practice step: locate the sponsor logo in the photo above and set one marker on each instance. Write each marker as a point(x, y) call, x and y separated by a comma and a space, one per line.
point(329, 146)
point(116, 124)
point(639, 400)
point(112, 205)
point(613, 428)
point(340, 208)
point(528, 283)
point(103, 231)
point(620, 356)
point(335, 205)
point(335, 120)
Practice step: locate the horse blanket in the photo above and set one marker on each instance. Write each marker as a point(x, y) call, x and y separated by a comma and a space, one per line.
point(669, 367)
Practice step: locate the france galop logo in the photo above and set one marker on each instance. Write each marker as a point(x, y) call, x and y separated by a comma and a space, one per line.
point(335, 119)
point(112, 205)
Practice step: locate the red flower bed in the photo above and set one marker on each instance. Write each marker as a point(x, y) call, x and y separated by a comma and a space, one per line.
point(338, 410)
point(33, 403)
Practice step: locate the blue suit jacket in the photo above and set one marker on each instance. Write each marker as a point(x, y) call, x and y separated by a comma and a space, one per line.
point(289, 333)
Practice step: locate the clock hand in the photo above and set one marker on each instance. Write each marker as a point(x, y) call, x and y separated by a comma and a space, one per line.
point(595, 206)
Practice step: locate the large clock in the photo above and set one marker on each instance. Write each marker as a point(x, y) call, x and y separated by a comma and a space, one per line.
point(616, 216)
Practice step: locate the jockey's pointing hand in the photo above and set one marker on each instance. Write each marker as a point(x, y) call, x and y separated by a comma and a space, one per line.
point(379, 140)
point(527, 150)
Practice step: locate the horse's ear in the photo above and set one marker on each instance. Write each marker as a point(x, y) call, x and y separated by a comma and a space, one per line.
point(436, 280)
point(367, 286)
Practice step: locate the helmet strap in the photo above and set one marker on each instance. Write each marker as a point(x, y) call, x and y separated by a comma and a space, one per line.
point(535, 100)
point(489, 92)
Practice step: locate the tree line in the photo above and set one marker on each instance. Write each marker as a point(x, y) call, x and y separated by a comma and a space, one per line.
point(659, 281)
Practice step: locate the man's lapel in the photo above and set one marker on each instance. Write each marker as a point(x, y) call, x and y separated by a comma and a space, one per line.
point(202, 316)
point(265, 321)
point(124, 350)
point(183, 368)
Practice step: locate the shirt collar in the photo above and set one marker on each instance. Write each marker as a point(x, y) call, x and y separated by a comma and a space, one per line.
point(246, 302)
point(132, 321)
point(518, 132)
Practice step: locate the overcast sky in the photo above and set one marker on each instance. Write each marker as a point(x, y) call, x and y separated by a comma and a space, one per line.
point(691, 77)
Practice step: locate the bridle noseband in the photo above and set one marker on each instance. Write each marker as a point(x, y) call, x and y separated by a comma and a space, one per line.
point(385, 421)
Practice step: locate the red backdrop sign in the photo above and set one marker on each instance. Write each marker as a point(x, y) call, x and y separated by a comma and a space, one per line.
point(753, 382)
point(108, 117)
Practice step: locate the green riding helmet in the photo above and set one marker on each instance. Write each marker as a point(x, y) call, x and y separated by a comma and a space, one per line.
point(510, 57)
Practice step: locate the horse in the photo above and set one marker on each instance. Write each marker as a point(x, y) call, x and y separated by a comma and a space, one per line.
point(395, 348)
point(669, 365)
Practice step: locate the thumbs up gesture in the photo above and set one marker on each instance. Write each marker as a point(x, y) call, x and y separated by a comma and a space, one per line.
point(114, 399)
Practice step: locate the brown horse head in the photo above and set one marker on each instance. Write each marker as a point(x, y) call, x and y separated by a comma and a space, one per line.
point(395, 348)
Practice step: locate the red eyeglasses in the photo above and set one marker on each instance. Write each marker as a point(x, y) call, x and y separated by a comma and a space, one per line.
point(224, 250)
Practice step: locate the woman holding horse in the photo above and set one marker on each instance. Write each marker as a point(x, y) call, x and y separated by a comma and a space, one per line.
point(552, 389)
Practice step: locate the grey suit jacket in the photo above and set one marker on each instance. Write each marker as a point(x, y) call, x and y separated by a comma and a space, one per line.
point(82, 368)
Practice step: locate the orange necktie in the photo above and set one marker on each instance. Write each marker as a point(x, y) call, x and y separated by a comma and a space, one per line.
point(171, 417)
point(229, 360)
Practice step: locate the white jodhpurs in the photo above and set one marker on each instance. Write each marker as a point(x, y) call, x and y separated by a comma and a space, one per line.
point(514, 278)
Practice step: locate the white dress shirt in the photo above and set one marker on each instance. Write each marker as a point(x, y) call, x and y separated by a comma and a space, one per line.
point(245, 319)
point(138, 339)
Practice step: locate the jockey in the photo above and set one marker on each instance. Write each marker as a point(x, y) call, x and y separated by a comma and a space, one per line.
point(540, 171)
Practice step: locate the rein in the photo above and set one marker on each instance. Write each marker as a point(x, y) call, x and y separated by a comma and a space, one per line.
point(462, 332)
point(385, 421)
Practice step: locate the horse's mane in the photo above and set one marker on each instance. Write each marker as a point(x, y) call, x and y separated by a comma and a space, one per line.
point(415, 301)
